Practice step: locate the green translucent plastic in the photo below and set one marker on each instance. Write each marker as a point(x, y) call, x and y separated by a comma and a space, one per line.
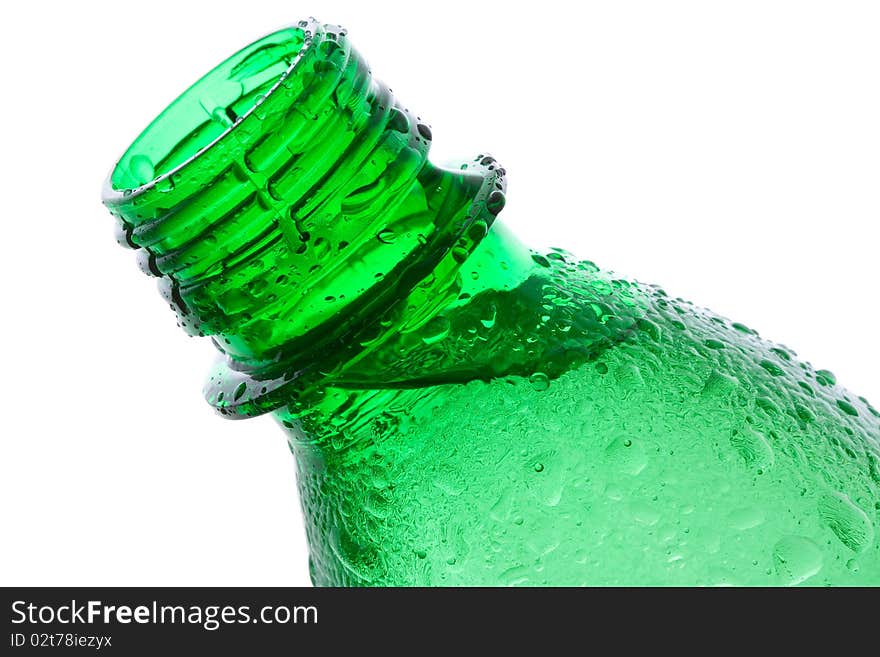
point(464, 410)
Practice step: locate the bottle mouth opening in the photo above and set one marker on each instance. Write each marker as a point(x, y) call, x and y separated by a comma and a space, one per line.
point(203, 114)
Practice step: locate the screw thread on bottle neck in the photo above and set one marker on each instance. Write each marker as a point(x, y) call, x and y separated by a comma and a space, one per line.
point(286, 198)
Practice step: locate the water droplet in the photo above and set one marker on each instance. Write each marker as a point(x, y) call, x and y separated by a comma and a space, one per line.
point(745, 518)
point(825, 378)
point(629, 458)
point(386, 236)
point(848, 522)
point(478, 230)
point(720, 385)
point(460, 254)
point(539, 467)
point(649, 328)
point(772, 368)
point(141, 168)
point(260, 109)
point(239, 391)
point(436, 330)
point(847, 408)
point(796, 559)
point(539, 381)
point(398, 121)
point(256, 287)
point(613, 492)
point(495, 202)
point(753, 448)
point(644, 513)
point(782, 353)
point(628, 376)
point(541, 260)
point(321, 248)
point(488, 319)
point(424, 131)
point(805, 414)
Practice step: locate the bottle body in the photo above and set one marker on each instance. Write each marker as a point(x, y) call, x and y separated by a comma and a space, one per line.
point(684, 450)
point(464, 410)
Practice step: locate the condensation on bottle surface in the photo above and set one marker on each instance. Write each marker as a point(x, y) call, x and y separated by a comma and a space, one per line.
point(464, 410)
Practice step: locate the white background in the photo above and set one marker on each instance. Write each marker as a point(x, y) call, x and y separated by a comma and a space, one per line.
point(730, 151)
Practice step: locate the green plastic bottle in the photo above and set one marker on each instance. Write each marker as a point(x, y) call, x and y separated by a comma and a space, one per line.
point(464, 410)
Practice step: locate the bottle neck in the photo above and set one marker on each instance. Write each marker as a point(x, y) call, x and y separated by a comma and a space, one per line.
point(286, 201)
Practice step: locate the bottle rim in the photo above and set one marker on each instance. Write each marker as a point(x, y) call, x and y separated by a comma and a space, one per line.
point(114, 194)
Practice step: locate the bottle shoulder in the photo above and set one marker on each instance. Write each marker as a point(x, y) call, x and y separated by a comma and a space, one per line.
point(691, 437)
point(551, 316)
